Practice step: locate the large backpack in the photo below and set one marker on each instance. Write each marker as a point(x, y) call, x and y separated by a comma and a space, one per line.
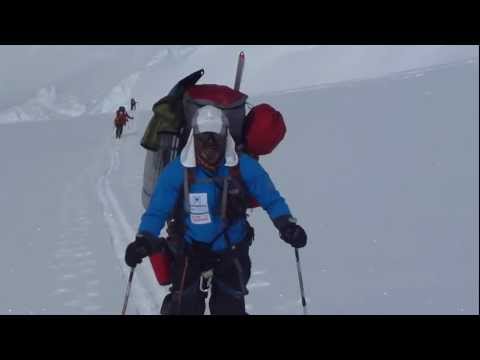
point(256, 133)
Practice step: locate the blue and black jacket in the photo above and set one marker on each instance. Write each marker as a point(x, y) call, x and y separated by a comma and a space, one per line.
point(202, 216)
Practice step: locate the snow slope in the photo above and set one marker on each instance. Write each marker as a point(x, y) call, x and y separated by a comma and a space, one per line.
point(95, 79)
point(383, 174)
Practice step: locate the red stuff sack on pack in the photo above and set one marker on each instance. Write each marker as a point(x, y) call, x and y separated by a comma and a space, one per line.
point(264, 130)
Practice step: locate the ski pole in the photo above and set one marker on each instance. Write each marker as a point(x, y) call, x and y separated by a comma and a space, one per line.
point(130, 278)
point(300, 280)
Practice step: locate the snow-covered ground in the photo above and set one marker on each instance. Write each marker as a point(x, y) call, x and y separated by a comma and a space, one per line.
point(380, 165)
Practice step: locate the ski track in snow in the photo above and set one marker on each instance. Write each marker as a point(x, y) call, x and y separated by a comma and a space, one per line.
point(146, 295)
point(73, 255)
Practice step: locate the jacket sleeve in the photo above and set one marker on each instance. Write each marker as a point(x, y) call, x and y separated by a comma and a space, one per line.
point(260, 185)
point(164, 199)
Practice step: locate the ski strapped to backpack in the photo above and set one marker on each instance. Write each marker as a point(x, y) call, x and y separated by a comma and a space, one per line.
point(255, 133)
point(163, 136)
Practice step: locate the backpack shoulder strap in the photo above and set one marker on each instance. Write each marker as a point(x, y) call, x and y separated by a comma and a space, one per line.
point(234, 172)
point(188, 179)
point(236, 175)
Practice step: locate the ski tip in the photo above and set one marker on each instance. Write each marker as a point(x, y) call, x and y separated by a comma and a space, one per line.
point(242, 54)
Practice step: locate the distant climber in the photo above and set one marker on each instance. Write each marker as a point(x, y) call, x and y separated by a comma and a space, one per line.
point(133, 104)
point(120, 121)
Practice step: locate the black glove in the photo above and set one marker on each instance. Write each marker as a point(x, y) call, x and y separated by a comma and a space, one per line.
point(294, 235)
point(290, 232)
point(142, 247)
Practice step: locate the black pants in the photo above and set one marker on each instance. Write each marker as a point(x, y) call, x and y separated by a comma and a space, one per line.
point(118, 132)
point(231, 273)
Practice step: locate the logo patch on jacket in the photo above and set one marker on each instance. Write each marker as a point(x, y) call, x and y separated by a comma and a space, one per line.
point(199, 213)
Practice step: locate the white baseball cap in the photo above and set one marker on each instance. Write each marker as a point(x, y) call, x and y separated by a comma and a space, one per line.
point(209, 119)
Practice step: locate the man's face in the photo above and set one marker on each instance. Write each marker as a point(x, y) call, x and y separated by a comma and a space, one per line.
point(210, 147)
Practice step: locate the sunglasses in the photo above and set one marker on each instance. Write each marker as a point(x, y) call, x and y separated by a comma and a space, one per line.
point(210, 138)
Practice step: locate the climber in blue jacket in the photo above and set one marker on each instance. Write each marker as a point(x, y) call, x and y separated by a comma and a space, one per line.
point(207, 190)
